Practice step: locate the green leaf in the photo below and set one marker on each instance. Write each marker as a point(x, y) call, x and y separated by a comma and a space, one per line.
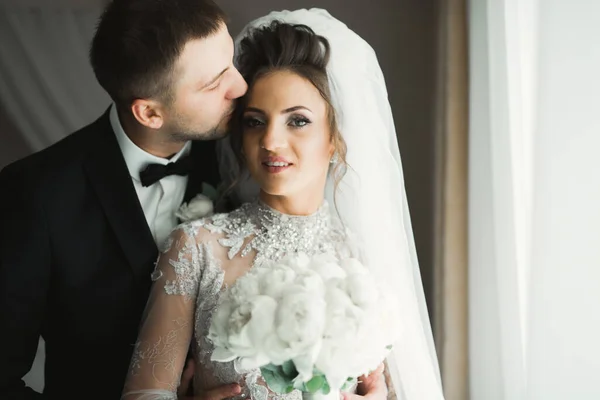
point(315, 384)
point(209, 191)
point(326, 389)
point(299, 384)
point(277, 382)
point(389, 347)
point(272, 367)
point(349, 383)
point(289, 369)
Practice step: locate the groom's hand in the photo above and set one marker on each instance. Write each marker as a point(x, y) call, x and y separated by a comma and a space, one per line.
point(370, 387)
point(220, 393)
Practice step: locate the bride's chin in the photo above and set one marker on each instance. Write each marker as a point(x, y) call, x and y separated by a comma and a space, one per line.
point(273, 185)
point(274, 190)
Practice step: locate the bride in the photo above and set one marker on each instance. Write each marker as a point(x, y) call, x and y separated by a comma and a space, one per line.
point(316, 134)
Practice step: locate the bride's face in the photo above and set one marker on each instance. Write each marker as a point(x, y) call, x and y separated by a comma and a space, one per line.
point(287, 141)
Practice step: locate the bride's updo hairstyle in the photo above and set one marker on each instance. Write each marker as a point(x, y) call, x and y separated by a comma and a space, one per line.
point(285, 47)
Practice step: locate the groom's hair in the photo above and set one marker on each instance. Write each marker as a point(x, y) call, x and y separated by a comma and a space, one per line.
point(138, 42)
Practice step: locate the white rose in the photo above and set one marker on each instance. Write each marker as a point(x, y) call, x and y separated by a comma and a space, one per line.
point(342, 330)
point(305, 362)
point(362, 290)
point(198, 207)
point(353, 266)
point(300, 319)
point(339, 303)
point(279, 351)
point(246, 329)
point(296, 261)
point(299, 324)
point(327, 267)
point(333, 361)
point(276, 280)
point(248, 286)
point(308, 281)
point(292, 273)
point(259, 329)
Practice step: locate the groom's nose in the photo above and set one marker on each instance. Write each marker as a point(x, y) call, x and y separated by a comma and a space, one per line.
point(238, 87)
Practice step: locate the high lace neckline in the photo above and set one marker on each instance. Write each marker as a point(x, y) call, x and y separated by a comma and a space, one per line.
point(265, 210)
point(272, 235)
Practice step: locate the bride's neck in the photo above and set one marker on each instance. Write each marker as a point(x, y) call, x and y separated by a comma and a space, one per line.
point(305, 204)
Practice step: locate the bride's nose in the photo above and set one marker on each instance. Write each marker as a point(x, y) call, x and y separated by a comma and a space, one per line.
point(273, 138)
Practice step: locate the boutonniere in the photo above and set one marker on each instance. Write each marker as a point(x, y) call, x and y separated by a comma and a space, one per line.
point(201, 206)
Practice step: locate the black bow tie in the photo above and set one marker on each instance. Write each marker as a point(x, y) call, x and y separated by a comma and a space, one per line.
point(155, 172)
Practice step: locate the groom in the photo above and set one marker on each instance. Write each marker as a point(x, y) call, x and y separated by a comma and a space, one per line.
point(80, 221)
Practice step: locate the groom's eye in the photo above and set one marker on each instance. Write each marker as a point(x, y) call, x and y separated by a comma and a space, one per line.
point(214, 85)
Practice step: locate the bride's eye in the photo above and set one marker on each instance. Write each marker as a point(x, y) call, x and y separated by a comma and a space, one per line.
point(298, 121)
point(252, 122)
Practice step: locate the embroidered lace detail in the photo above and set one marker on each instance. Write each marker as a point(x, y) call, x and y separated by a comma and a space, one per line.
point(190, 258)
point(256, 385)
point(161, 354)
point(273, 234)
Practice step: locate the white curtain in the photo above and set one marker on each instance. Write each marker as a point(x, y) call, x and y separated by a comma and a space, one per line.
point(534, 195)
point(46, 82)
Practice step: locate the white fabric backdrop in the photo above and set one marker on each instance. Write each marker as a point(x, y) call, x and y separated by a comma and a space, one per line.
point(46, 83)
point(534, 215)
point(564, 337)
point(500, 168)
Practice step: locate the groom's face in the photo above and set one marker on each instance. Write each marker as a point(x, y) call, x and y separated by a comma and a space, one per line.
point(206, 85)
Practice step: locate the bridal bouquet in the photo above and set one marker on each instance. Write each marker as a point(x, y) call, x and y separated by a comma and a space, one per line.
point(313, 324)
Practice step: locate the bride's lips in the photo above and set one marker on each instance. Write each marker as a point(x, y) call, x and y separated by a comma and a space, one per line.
point(275, 165)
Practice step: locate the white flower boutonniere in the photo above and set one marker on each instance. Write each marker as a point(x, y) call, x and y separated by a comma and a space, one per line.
point(201, 206)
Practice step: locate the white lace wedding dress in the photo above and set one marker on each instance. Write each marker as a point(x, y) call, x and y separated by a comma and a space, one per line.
point(201, 261)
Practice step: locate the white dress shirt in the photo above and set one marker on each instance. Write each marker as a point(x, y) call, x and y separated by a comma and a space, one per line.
point(160, 200)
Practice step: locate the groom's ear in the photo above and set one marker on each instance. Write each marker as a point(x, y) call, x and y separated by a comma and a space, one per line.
point(147, 113)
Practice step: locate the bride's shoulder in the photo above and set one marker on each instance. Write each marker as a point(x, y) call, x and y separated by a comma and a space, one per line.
point(209, 228)
point(240, 213)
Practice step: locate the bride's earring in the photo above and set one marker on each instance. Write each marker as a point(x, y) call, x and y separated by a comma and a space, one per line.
point(334, 159)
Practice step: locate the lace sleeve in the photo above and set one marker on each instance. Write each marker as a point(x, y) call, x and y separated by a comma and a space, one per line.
point(167, 325)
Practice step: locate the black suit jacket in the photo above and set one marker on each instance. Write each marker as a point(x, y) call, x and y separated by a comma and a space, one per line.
point(76, 256)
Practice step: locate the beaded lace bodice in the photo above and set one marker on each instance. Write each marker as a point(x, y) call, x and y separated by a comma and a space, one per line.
point(200, 261)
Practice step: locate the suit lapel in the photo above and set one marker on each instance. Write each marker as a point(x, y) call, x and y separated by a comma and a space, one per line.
point(109, 176)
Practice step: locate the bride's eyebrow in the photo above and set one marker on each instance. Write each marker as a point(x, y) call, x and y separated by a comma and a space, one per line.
point(254, 109)
point(286, 111)
point(295, 108)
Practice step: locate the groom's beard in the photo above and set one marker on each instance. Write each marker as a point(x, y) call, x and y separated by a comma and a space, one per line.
point(183, 133)
point(212, 134)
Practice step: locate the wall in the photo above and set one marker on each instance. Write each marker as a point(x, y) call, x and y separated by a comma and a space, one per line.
point(12, 145)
